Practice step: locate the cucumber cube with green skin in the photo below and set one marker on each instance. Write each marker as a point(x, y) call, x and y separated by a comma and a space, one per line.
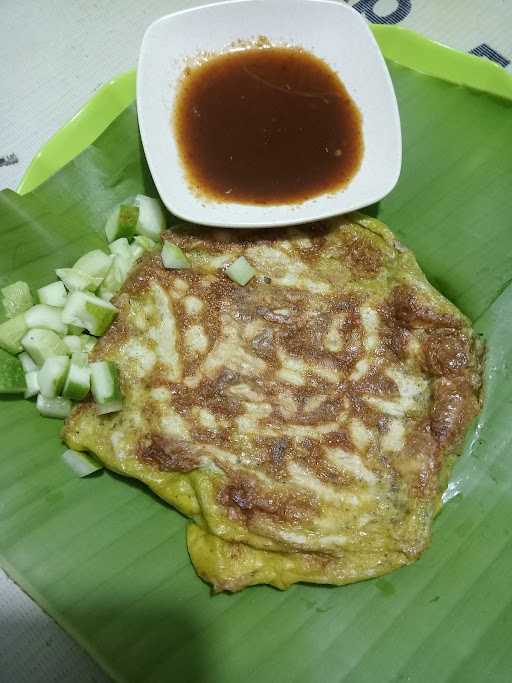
point(240, 271)
point(173, 257)
point(27, 363)
point(122, 222)
point(41, 344)
point(54, 294)
point(53, 407)
point(151, 219)
point(89, 311)
point(82, 464)
point(73, 343)
point(32, 382)
point(105, 382)
point(16, 298)
point(136, 251)
point(12, 332)
point(78, 382)
point(46, 317)
point(145, 242)
point(88, 342)
point(52, 375)
point(80, 358)
point(120, 247)
point(76, 281)
point(95, 263)
point(12, 376)
point(116, 276)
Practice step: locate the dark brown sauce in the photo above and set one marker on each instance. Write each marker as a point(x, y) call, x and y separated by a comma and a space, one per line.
point(266, 126)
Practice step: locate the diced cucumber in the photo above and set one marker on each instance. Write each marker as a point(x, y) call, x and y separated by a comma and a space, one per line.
point(105, 382)
point(136, 250)
point(76, 281)
point(80, 358)
point(145, 242)
point(12, 377)
point(46, 317)
point(32, 383)
point(88, 311)
point(75, 330)
point(52, 375)
point(78, 382)
point(122, 222)
point(16, 298)
point(173, 257)
point(240, 271)
point(115, 277)
point(26, 362)
point(151, 219)
point(41, 344)
point(88, 342)
point(120, 247)
point(82, 464)
point(11, 333)
point(95, 263)
point(73, 343)
point(54, 294)
point(111, 407)
point(53, 407)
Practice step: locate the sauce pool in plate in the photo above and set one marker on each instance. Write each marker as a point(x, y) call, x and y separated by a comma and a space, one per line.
point(269, 125)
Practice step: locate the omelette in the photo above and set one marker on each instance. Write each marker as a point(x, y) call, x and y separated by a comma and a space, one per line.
point(305, 423)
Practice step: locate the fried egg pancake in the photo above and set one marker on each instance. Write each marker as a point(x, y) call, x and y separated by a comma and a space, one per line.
point(305, 423)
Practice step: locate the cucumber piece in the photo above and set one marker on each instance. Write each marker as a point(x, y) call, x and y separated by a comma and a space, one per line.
point(76, 281)
point(111, 407)
point(115, 277)
point(95, 263)
point(27, 363)
point(52, 375)
point(16, 298)
point(122, 221)
point(54, 294)
point(151, 220)
point(73, 343)
point(88, 342)
point(11, 333)
point(80, 358)
point(32, 383)
point(240, 271)
point(53, 407)
point(75, 330)
point(46, 317)
point(78, 382)
point(173, 257)
point(145, 242)
point(41, 344)
point(89, 311)
point(120, 247)
point(105, 382)
point(12, 377)
point(136, 251)
point(82, 464)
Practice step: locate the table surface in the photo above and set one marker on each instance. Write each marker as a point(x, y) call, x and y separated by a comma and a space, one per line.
point(58, 53)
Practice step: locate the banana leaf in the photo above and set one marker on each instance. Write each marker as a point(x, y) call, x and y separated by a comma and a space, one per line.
point(107, 559)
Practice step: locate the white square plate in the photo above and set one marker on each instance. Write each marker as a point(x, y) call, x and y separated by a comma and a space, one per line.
point(330, 30)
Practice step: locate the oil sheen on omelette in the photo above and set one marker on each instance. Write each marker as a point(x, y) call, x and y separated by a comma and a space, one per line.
point(305, 423)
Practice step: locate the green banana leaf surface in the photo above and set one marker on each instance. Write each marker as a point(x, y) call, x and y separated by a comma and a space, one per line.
point(108, 560)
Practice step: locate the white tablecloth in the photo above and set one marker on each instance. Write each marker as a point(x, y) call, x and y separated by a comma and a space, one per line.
point(54, 55)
